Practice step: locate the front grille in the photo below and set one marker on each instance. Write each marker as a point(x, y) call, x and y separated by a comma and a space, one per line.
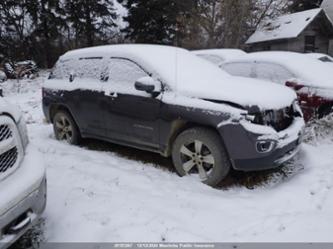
point(8, 159)
point(278, 119)
point(5, 132)
point(10, 147)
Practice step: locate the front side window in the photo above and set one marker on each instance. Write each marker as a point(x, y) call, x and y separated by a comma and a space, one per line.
point(273, 72)
point(123, 74)
point(243, 69)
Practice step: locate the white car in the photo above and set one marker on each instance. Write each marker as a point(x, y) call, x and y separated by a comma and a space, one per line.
point(321, 57)
point(311, 79)
point(218, 56)
point(22, 177)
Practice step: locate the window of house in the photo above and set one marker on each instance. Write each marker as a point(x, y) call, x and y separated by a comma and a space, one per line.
point(310, 44)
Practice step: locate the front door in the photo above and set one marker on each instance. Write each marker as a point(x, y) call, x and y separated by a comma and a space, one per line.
point(131, 116)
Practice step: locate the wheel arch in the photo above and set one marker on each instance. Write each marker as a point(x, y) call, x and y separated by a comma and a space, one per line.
point(61, 107)
point(180, 126)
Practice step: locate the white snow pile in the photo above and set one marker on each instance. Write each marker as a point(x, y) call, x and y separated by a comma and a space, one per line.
point(321, 130)
point(102, 196)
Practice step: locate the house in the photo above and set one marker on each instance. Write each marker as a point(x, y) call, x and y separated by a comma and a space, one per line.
point(306, 31)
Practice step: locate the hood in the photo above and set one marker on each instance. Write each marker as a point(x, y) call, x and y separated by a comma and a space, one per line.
point(8, 108)
point(187, 74)
point(245, 92)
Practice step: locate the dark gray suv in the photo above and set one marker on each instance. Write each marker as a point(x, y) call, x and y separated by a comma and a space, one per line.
point(167, 100)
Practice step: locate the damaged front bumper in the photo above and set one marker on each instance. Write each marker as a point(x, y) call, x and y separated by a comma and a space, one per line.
point(260, 147)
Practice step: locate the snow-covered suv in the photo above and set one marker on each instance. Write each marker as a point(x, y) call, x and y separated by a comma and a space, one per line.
point(22, 177)
point(169, 101)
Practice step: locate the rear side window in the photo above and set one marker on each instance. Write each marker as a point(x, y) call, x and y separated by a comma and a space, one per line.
point(123, 74)
point(273, 72)
point(243, 69)
point(83, 68)
point(90, 68)
point(217, 60)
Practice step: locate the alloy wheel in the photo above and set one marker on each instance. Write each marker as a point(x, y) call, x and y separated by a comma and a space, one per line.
point(64, 128)
point(197, 158)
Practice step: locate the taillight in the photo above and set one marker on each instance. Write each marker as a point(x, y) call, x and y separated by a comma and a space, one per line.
point(294, 85)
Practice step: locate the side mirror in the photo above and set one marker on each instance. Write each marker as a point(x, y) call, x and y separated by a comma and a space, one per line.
point(149, 85)
point(294, 85)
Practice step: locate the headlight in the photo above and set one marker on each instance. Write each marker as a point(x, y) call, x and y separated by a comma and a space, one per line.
point(22, 127)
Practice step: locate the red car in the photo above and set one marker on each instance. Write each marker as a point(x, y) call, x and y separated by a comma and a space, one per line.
point(310, 78)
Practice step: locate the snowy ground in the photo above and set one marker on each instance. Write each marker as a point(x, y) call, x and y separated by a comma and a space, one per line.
point(106, 193)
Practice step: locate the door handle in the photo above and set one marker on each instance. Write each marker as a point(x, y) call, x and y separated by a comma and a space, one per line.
point(111, 94)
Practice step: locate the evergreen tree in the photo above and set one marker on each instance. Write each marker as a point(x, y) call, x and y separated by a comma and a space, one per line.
point(47, 18)
point(157, 21)
point(89, 20)
point(301, 5)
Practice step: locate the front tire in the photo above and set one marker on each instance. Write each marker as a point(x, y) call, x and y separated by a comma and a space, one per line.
point(200, 151)
point(65, 128)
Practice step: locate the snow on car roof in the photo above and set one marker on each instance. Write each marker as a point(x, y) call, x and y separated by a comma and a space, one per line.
point(225, 53)
point(191, 76)
point(310, 71)
point(284, 27)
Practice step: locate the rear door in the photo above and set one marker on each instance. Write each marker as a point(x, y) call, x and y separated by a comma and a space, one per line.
point(132, 116)
point(86, 96)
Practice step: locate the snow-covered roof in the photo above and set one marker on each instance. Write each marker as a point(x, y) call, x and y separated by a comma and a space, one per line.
point(284, 27)
point(224, 53)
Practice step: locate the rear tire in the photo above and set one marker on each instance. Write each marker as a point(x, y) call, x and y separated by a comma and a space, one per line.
point(201, 151)
point(65, 128)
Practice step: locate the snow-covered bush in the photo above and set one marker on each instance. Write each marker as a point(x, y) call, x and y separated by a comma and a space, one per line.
point(319, 130)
